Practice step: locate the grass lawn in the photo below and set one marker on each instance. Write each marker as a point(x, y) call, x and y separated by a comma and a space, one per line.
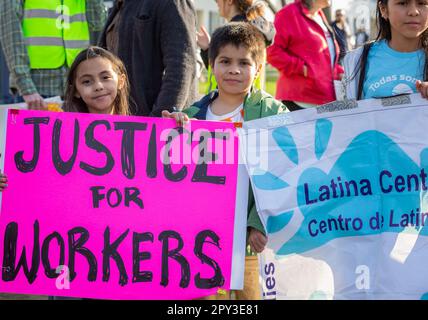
point(271, 86)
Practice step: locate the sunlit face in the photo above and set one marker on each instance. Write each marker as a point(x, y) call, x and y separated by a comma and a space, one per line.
point(235, 70)
point(97, 84)
point(408, 18)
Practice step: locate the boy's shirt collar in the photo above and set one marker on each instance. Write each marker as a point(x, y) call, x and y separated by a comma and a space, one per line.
point(251, 105)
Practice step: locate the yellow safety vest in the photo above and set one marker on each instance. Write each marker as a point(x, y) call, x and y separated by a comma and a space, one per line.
point(55, 31)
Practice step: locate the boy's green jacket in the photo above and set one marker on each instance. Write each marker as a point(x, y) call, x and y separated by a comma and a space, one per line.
point(258, 104)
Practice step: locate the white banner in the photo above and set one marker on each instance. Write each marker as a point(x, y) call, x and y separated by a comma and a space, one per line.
point(342, 193)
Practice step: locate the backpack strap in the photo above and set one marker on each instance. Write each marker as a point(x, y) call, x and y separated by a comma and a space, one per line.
point(426, 66)
point(363, 64)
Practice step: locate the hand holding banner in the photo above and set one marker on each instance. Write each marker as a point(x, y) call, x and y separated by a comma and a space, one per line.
point(123, 207)
point(343, 197)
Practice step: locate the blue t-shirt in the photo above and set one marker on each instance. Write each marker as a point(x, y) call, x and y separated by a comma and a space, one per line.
point(390, 72)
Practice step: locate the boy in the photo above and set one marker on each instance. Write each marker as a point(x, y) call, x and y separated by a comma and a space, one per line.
point(236, 53)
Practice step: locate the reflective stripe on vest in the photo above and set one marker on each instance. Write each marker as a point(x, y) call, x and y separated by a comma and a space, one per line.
point(55, 31)
point(43, 13)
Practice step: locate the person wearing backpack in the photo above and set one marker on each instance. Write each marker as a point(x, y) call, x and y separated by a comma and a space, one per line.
point(395, 63)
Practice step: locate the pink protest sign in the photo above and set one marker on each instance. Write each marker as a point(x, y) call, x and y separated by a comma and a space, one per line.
point(115, 207)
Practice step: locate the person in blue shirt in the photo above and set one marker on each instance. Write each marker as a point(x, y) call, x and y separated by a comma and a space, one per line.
point(396, 62)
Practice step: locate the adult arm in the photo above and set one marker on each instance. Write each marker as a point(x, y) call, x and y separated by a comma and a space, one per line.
point(13, 44)
point(96, 14)
point(203, 42)
point(205, 58)
point(178, 45)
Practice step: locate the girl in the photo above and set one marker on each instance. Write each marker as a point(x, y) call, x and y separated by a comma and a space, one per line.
point(97, 83)
point(396, 62)
point(306, 55)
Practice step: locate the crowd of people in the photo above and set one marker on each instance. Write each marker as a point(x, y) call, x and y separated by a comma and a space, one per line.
point(145, 64)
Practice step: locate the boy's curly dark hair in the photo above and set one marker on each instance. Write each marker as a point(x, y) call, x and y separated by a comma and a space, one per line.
point(239, 34)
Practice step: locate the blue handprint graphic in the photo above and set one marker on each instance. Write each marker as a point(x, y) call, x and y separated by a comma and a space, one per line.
point(366, 191)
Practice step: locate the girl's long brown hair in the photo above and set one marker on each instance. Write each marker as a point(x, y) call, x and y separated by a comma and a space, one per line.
point(74, 104)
